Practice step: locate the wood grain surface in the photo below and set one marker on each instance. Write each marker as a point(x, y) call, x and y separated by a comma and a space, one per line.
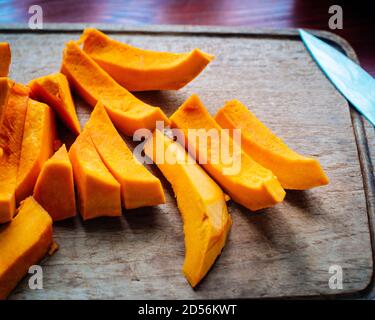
point(279, 252)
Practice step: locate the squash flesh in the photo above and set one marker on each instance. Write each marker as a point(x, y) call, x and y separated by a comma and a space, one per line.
point(37, 146)
point(139, 188)
point(23, 243)
point(54, 189)
point(253, 186)
point(201, 203)
point(5, 85)
point(140, 70)
point(92, 83)
point(54, 91)
point(11, 133)
point(98, 191)
point(5, 59)
point(293, 170)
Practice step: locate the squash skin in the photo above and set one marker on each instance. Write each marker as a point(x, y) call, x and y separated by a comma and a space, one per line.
point(141, 70)
point(293, 170)
point(37, 146)
point(93, 84)
point(254, 186)
point(139, 188)
point(54, 188)
point(98, 191)
point(5, 59)
point(201, 203)
point(23, 243)
point(11, 133)
point(54, 91)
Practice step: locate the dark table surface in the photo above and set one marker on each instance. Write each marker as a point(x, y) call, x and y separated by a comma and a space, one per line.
point(358, 28)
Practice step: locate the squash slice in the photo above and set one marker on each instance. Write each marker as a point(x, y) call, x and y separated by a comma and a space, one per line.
point(37, 146)
point(54, 90)
point(5, 58)
point(200, 201)
point(54, 189)
point(139, 188)
point(98, 191)
point(5, 85)
point(93, 84)
point(293, 170)
point(141, 70)
point(11, 133)
point(249, 184)
point(23, 243)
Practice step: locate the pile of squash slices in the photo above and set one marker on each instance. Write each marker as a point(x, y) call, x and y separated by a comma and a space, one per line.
point(41, 179)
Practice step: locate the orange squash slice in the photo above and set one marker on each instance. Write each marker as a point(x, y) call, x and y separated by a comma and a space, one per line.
point(93, 84)
point(98, 191)
point(139, 188)
point(140, 70)
point(293, 170)
point(5, 85)
point(250, 184)
point(54, 90)
point(5, 58)
point(200, 201)
point(37, 146)
point(11, 133)
point(23, 243)
point(54, 189)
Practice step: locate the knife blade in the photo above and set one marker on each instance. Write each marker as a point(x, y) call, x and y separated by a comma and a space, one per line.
point(354, 83)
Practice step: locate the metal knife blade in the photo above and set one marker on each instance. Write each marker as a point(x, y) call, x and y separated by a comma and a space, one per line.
point(348, 77)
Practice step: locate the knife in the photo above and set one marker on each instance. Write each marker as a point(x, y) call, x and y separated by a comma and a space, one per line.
point(349, 78)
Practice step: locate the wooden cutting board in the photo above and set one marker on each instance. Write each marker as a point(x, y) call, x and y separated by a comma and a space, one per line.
point(285, 251)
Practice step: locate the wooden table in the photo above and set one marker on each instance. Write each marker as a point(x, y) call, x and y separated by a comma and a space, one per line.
point(359, 26)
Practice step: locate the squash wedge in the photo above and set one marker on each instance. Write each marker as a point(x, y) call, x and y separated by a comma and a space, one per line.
point(11, 133)
point(5, 59)
point(293, 170)
point(93, 84)
point(141, 70)
point(5, 86)
point(139, 188)
point(249, 184)
point(98, 191)
point(54, 189)
point(54, 91)
point(200, 201)
point(23, 243)
point(37, 146)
